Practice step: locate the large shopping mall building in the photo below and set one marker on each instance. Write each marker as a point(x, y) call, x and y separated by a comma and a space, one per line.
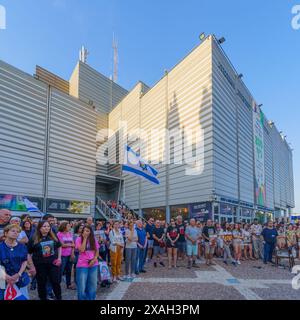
point(48, 129)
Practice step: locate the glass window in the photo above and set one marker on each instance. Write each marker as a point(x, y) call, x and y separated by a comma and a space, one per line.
point(156, 213)
point(180, 210)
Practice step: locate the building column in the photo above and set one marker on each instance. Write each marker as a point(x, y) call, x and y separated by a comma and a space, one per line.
point(168, 214)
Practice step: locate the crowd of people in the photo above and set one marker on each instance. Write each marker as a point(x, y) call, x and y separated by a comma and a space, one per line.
point(43, 253)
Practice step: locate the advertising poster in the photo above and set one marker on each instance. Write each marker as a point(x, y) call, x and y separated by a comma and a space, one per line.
point(259, 157)
point(201, 211)
point(68, 206)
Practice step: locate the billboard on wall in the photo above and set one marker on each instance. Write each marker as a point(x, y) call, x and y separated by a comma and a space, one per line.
point(226, 209)
point(259, 155)
point(247, 213)
point(201, 211)
point(18, 203)
point(68, 206)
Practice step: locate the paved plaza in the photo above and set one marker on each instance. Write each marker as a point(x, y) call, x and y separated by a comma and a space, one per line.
point(250, 281)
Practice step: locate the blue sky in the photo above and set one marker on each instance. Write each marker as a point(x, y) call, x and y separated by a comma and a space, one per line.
point(154, 35)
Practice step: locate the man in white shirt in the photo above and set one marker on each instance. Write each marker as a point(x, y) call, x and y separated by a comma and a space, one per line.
point(256, 230)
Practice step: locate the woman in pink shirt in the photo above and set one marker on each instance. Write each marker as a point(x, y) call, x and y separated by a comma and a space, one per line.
point(87, 265)
point(67, 252)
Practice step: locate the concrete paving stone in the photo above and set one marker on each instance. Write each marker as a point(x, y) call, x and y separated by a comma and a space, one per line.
point(181, 291)
point(278, 292)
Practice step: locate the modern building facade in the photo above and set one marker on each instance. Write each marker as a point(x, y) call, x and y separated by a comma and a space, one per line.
point(48, 142)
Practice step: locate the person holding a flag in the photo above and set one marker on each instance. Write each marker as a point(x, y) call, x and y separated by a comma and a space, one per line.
point(13, 260)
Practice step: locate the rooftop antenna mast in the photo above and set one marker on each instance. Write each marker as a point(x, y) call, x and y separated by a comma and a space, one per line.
point(83, 54)
point(115, 67)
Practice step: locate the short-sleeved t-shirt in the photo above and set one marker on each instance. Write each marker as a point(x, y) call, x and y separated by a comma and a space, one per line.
point(65, 238)
point(45, 251)
point(149, 228)
point(194, 233)
point(12, 260)
point(158, 232)
point(131, 244)
point(209, 232)
point(181, 228)
point(85, 257)
point(173, 232)
point(270, 235)
point(227, 236)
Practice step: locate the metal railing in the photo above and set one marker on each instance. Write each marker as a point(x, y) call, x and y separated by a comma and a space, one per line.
point(105, 211)
point(135, 212)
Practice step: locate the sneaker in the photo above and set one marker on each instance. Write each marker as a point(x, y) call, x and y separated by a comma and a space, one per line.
point(225, 262)
point(137, 273)
point(143, 271)
point(194, 263)
point(120, 278)
point(155, 265)
point(212, 263)
point(189, 265)
point(132, 276)
point(51, 296)
point(238, 262)
point(162, 264)
point(233, 263)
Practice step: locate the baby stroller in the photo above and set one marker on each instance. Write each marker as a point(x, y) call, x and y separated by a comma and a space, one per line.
point(105, 277)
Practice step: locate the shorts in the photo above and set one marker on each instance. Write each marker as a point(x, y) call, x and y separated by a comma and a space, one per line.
point(157, 250)
point(150, 244)
point(181, 246)
point(169, 245)
point(209, 249)
point(220, 243)
point(237, 242)
point(192, 249)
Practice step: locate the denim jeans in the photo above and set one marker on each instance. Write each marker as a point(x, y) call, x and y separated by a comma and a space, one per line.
point(140, 259)
point(130, 260)
point(66, 266)
point(268, 251)
point(86, 280)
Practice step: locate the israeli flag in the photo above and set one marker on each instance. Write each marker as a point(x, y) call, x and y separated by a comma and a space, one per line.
point(13, 293)
point(135, 165)
point(30, 206)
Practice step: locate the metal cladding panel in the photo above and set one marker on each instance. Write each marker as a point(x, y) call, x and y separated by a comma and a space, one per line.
point(291, 202)
point(72, 149)
point(23, 104)
point(128, 111)
point(102, 124)
point(74, 82)
point(245, 136)
point(276, 159)
point(269, 168)
point(224, 127)
point(52, 79)
point(190, 107)
point(94, 86)
point(153, 116)
point(283, 171)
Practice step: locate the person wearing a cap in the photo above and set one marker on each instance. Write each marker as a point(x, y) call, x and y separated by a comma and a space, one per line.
point(5, 216)
point(22, 238)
